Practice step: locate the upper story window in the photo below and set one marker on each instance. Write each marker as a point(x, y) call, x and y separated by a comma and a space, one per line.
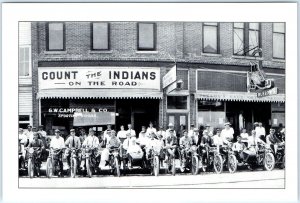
point(279, 40)
point(56, 37)
point(246, 39)
point(146, 36)
point(211, 38)
point(100, 36)
point(24, 60)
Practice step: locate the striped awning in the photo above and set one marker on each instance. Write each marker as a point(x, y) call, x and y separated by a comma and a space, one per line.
point(237, 96)
point(99, 93)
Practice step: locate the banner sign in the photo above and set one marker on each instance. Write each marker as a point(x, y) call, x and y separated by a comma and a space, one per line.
point(170, 77)
point(268, 92)
point(94, 118)
point(99, 77)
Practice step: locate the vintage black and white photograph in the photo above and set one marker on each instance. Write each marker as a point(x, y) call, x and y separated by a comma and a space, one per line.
point(151, 104)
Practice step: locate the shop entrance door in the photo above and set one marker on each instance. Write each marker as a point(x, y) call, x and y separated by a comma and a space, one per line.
point(180, 120)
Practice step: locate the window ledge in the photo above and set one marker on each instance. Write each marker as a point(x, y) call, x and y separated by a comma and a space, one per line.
point(55, 52)
point(146, 52)
point(100, 52)
point(248, 57)
point(278, 60)
point(210, 54)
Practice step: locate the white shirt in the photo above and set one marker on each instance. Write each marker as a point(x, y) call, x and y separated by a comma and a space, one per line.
point(134, 148)
point(238, 146)
point(43, 133)
point(106, 135)
point(162, 132)
point(91, 141)
point(22, 138)
point(127, 143)
point(142, 140)
point(168, 133)
point(195, 134)
point(244, 136)
point(57, 143)
point(29, 136)
point(227, 135)
point(254, 141)
point(153, 143)
point(217, 140)
point(131, 132)
point(121, 134)
point(260, 131)
point(150, 130)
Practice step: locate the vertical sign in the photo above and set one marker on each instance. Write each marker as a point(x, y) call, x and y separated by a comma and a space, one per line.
point(170, 77)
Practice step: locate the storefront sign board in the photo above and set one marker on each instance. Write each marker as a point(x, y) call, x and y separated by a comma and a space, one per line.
point(170, 77)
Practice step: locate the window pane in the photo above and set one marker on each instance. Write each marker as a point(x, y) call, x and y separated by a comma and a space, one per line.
point(239, 25)
point(26, 54)
point(278, 45)
point(21, 69)
point(177, 102)
point(26, 68)
point(238, 41)
point(278, 27)
point(24, 118)
point(210, 39)
point(254, 26)
point(21, 54)
point(146, 36)
point(253, 42)
point(56, 36)
point(100, 35)
point(211, 112)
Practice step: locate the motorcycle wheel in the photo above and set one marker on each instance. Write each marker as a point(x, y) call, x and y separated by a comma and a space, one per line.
point(156, 165)
point(49, 169)
point(232, 163)
point(218, 164)
point(30, 168)
point(88, 168)
point(117, 167)
point(73, 167)
point(173, 167)
point(269, 162)
point(195, 165)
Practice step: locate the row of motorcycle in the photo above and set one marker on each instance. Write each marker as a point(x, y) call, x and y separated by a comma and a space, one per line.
point(192, 160)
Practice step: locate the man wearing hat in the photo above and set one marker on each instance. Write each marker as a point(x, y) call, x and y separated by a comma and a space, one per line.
point(41, 131)
point(107, 132)
point(273, 140)
point(161, 132)
point(150, 129)
point(72, 142)
point(57, 142)
point(92, 142)
point(83, 135)
point(29, 134)
point(194, 135)
point(227, 133)
point(171, 140)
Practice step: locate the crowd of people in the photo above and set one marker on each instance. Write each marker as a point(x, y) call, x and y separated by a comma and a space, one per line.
point(148, 138)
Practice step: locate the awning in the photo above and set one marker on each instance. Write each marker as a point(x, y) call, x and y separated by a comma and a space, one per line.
point(99, 93)
point(237, 96)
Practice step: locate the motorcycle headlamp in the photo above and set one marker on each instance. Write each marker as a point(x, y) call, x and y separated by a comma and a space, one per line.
point(31, 150)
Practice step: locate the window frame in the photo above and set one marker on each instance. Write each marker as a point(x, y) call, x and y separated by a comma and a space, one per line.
point(154, 37)
point(29, 122)
point(29, 61)
point(284, 41)
point(92, 37)
point(218, 38)
point(187, 103)
point(246, 38)
point(47, 37)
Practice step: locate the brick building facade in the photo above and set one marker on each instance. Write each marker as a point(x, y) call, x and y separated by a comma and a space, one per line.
point(214, 77)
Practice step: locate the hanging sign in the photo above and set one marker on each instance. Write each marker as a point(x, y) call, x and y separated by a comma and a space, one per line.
point(170, 77)
point(268, 92)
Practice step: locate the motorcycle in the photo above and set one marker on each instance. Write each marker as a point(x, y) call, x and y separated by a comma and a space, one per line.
point(52, 164)
point(154, 159)
point(74, 160)
point(229, 158)
point(87, 155)
point(280, 156)
point(21, 158)
point(213, 159)
point(191, 161)
point(33, 165)
point(171, 167)
point(114, 160)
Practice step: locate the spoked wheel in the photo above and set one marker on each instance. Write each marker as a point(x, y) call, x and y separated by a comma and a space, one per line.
point(73, 167)
point(88, 168)
point(269, 162)
point(232, 163)
point(30, 168)
point(117, 167)
point(218, 164)
point(49, 168)
point(156, 165)
point(195, 165)
point(173, 170)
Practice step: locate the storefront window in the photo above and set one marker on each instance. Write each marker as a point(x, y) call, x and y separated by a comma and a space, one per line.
point(177, 102)
point(24, 121)
point(211, 112)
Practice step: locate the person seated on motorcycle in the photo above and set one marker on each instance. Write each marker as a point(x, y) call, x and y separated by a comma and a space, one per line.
point(273, 140)
point(152, 143)
point(244, 136)
point(185, 144)
point(143, 138)
point(37, 143)
point(171, 141)
point(227, 133)
point(112, 143)
point(133, 149)
point(217, 140)
point(238, 147)
point(72, 142)
point(206, 143)
point(194, 135)
point(91, 142)
point(58, 143)
point(252, 148)
point(22, 142)
point(161, 132)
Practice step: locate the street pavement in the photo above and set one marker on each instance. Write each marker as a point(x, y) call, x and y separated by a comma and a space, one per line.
point(240, 179)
